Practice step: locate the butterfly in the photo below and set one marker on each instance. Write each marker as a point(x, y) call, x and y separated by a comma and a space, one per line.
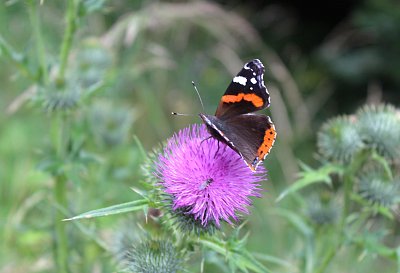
point(234, 123)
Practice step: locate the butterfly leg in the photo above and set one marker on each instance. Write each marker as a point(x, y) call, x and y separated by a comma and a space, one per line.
point(205, 139)
point(215, 155)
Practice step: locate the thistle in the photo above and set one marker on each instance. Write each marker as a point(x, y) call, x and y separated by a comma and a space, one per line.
point(374, 188)
point(379, 126)
point(205, 180)
point(153, 256)
point(322, 213)
point(59, 100)
point(339, 140)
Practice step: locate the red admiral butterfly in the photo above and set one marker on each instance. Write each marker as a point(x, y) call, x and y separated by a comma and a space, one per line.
point(250, 135)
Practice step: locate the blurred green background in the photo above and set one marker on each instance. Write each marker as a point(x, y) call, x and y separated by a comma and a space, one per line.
point(138, 58)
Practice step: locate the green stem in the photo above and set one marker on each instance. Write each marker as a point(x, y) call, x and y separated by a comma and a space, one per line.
point(348, 179)
point(327, 259)
point(40, 49)
point(334, 248)
point(67, 40)
point(60, 131)
point(61, 234)
point(60, 137)
point(348, 187)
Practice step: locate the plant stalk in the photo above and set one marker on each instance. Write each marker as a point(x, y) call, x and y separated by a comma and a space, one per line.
point(61, 234)
point(67, 40)
point(348, 179)
point(40, 49)
point(334, 248)
point(60, 136)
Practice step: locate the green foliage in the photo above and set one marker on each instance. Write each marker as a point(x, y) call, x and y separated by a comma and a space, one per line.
point(233, 250)
point(116, 209)
point(310, 176)
point(361, 152)
point(88, 87)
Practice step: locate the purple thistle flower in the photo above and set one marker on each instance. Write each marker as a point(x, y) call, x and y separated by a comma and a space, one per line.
point(205, 178)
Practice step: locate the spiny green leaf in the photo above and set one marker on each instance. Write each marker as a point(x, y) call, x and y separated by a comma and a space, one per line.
point(274, 260)
point(238, 257)
point(372, 243)
point(18, 59)
point(214, 244)
point(140, 146)
point(140, 192)
point(296, 221)
point(116, 209)
point(373, 209)
point(311, 176)
point(385, 164)
point(245, 260)
point(305, 167)
point(8, 51)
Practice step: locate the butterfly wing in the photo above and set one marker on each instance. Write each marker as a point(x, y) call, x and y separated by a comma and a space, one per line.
point(250, 135)
point(246, 93)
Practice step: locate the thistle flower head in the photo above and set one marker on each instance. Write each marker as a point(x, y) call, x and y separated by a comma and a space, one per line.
point(322, 213)
point(206, 179)
point(138, 251)
point(379, 126)
point(378, 190)
point(153, 256)
point(54, 99)
point(339, 139)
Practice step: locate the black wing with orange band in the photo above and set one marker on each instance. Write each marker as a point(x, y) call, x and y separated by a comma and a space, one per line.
point(252, 136)
point(246, 93)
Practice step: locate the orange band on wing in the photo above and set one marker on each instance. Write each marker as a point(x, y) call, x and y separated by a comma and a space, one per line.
point(254, 99)
point(269, 139)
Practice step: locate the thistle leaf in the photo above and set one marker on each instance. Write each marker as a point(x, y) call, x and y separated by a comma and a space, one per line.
point(116, 209)
point(311, 176)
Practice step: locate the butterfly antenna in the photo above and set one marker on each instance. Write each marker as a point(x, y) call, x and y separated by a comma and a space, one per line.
point(180, 114)
point(198, 94)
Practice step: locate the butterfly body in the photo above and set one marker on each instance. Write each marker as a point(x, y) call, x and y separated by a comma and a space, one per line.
point(234, 123)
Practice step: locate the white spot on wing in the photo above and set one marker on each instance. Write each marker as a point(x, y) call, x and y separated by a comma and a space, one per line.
point(240, 80)
point(253, 80)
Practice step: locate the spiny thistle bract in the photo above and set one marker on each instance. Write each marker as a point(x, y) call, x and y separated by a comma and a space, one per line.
point(322, 213)
point(377, 190)
point(59, 100)
point(379, 126)
point(206, 180)
point(153, 255)
point(182, 220)
point(149, 168)
point(339, 140)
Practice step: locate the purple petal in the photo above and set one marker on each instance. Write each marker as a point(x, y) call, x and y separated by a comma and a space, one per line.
point(213, 183)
